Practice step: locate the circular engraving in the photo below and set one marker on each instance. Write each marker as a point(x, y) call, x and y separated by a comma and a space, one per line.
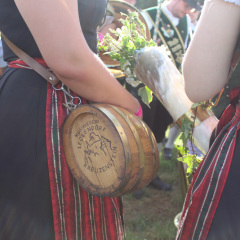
point(98, 151)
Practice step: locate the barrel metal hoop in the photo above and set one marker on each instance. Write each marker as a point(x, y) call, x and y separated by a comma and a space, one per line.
point(124, 139)
point(139, 144)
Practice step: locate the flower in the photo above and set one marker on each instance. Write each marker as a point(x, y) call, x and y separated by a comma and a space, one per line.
point(126, 32)
point(132, 81)
point(128, 39)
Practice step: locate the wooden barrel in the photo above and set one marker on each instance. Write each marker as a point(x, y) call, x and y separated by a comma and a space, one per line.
point(109, 150)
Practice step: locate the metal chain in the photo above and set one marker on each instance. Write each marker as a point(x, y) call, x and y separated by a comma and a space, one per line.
point(159, 19)
point(69, 105)
point(159, 3)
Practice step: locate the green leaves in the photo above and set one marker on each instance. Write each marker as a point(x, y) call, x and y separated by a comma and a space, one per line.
point(125, 42)
point(130, 38)
point(122, 62)
point(192, 162)
point(202, 104)
point(186, 128)
point(146, 94)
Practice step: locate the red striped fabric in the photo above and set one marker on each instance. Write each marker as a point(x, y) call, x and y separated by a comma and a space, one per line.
point(18, 63)
point(209, 180)
point(76, 214)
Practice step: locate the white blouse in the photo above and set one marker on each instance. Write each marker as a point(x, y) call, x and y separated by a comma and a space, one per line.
point(236, 2)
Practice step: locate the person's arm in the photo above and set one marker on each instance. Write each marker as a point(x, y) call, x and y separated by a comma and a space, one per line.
point(56, 29)
point(3, 64)
point(207, 60)
point(2, 69)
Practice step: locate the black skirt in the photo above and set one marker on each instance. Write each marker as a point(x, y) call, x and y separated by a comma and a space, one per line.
point(25, 200)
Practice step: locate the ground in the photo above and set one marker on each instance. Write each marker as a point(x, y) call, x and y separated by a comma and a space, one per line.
point(152, 217)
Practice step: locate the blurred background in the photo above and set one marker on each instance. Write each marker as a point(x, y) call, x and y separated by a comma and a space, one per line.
point(142, 4)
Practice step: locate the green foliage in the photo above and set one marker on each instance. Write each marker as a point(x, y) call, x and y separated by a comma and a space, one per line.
point(146, 95)
point(191, 160)
point(202, 104)
point(122, 45)
point(186, 128)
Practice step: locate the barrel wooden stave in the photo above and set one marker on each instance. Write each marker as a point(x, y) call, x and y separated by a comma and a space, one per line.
point(150, 161)
point(146, 158)
point(131, 155)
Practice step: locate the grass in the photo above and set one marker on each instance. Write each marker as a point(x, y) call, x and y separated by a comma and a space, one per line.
point(152, 217)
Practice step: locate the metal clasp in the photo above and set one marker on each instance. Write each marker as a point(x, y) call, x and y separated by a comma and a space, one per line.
point(70, 105)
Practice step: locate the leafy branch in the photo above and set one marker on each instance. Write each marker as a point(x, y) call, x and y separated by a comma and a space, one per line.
point(187, 127)
point(122, 45)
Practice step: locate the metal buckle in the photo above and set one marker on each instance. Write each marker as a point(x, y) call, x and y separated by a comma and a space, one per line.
point(70, 105)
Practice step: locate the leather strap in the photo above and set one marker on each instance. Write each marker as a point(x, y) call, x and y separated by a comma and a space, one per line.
point(44, 72)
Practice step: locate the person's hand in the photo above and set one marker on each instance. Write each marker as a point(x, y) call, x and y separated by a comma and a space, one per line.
point(106, 29)
point(139, 113)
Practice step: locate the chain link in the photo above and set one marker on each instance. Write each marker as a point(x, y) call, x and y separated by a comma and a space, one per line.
point(70, 105)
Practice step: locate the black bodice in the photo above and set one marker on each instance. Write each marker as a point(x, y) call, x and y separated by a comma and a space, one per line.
point(91, 14)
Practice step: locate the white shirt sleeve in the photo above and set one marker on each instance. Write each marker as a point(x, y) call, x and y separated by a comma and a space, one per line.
point(148, 21)
point(2, 63)
point(236, 2)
